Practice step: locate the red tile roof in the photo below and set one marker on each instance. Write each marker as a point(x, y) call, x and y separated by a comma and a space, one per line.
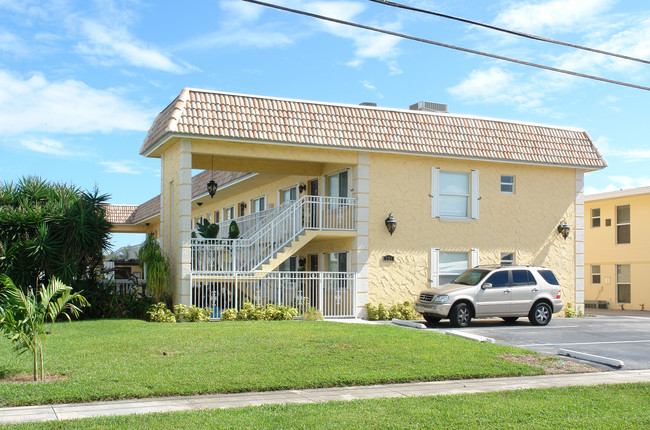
point(226, 115)
point(118, 214)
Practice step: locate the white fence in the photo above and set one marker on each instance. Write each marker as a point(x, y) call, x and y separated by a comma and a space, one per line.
point(250, 253)
point(333, 293)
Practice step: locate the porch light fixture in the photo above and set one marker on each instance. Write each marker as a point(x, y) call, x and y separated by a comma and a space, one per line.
point(302, 187)
point(199, 204)
point(391, 224)
point(563, 229)
point(212, 185)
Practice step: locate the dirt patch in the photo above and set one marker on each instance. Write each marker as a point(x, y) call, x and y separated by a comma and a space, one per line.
point(552, 366)
point(29, 378)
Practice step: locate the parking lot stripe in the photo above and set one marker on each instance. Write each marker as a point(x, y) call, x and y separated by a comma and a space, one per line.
point(585, 343)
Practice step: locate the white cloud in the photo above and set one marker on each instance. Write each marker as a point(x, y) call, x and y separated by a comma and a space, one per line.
point(554, 15)
point(122, 166)
point(46, 146)
point(36, 105)
point(11, 43)
point(115, 43)
point(368, 45)
point(241, 10)
point(243, 37)
point(627, 154)
point(369, 86)
point(619, 183)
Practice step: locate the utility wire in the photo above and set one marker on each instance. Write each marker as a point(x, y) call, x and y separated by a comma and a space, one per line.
point(508, 31)
point(444, 45)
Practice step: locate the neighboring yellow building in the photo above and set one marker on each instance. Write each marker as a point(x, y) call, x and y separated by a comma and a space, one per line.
point(617, 249)
point(313, 185)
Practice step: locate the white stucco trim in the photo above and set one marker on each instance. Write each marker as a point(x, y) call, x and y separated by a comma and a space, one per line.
point(359, 255)
point(184, 281)
point(579, 238)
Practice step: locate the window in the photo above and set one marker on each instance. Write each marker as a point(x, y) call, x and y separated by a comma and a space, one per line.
point(522, 278)
point(216, 217)
point(289, 194)
point(623, 294)
point(208, 217)
point(452, 264)
point(549, 277)
point(507, 258)
point(258, 204)
point(507, 184)
point(337, 262)
point(229, 213)
point(595, 217)
point(198, 220)
point(622, 224)
point(498, 279)
point(595, 274)
point(337, 184)
point(454, 194)
point(289, 265)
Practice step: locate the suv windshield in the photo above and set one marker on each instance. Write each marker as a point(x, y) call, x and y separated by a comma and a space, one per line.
point(471, 277)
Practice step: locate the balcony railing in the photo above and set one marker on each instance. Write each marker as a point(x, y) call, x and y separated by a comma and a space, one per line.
point(227, 256)
point(333, 293)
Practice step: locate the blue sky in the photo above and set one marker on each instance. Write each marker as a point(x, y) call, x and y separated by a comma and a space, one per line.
point(81, 81)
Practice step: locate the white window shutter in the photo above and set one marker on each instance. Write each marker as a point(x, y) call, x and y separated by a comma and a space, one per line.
point(475, 194)
point(473, 258)
point(435, 201)
point(435, 268)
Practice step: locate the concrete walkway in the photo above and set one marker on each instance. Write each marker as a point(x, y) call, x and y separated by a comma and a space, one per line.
point(217, 401)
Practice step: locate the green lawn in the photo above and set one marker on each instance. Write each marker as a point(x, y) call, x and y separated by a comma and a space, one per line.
point(111, 359)
point(599, 407)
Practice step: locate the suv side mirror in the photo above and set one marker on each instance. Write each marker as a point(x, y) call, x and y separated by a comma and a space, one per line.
point(486, 286)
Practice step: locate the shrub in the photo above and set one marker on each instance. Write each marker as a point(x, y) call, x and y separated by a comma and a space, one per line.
point(191, 314)
point(569, 312)
point(403, 311)
point(108, 301)
point(312, 314)
point(259, 312)
point(160, 313)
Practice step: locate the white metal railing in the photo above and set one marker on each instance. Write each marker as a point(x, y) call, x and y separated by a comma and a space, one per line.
point(333, 293)
point(250, 253)
point(251, 223)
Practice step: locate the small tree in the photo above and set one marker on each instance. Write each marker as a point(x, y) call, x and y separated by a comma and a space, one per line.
point(156, 266)
point(23, 316)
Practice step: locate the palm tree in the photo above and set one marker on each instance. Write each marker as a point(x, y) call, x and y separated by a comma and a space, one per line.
point(50, 229)
point(23, 316)
point(156, 267)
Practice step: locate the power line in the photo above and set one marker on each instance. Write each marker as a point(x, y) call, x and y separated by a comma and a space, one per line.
point(444, 45)
point(508, 31)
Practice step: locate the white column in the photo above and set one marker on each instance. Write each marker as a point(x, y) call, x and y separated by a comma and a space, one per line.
point(183, 244)
point(360, 251)
point(579, 231)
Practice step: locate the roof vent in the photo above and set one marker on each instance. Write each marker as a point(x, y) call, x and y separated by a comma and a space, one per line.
point(430, 107)
point(373, 104)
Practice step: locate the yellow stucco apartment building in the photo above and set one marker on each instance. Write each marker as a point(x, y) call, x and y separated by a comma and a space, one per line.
point(313, 187)
point(617, 249)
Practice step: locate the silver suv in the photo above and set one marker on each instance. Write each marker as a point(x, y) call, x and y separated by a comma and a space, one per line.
point(508, 292)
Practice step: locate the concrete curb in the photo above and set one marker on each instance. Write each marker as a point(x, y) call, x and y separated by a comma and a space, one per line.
point(590, 357)
point(470, 336)
point(406, 323)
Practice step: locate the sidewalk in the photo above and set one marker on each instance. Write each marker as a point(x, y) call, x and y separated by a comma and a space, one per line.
point(218, 401)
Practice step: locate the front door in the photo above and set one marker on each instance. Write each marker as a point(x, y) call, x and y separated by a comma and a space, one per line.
point(495, 300)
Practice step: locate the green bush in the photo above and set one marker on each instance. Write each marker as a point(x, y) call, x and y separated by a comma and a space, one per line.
point(403, 311)
point(259, 312)
point(108, 301)
point(160, 313)
point(191, 314)
point(312, 314)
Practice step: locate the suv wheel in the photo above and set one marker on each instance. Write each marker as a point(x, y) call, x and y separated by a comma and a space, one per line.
point(431, 319)
point(540, 314)
point(460, 315)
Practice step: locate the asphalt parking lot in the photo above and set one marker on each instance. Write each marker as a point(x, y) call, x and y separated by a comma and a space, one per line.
point(621, 336)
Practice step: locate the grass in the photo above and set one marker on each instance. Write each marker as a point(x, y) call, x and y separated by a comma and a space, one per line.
point(623, 406)
point(113, 359)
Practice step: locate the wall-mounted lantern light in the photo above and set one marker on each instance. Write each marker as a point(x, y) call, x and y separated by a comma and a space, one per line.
point(563, 229)
point(212, 185)
point(391, 224)
point(302, 187)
